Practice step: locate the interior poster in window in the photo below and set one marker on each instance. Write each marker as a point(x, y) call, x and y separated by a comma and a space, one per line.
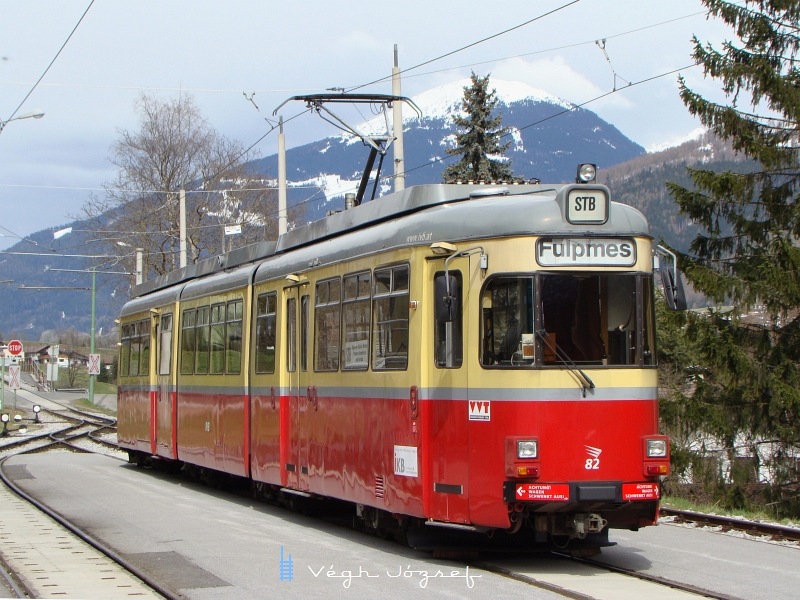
point(356, 354)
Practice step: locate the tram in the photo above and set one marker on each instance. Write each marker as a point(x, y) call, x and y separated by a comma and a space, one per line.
point(477, 356)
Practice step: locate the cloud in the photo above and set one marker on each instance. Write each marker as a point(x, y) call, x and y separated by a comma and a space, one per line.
point(359, 41)
point(556, 76)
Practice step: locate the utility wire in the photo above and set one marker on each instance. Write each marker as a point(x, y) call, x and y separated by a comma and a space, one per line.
point(457, 50)
point(64, 45)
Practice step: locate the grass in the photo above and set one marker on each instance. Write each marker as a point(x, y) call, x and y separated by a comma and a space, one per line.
point(84, 404)
point(82, 381)
point(716, 509)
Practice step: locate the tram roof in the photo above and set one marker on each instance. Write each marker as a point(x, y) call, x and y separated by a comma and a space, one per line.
point(420, 214)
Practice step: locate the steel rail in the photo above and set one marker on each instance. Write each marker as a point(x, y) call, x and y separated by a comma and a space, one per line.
point(156, 585)
point(773, 530)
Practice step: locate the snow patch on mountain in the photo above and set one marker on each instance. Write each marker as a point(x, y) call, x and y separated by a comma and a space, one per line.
point(442, 102)
point(333, 186)
point(695, 134)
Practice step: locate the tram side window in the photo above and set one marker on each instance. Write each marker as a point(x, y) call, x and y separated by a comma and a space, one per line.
point(136, 344)
point(304, 333)
point(217, 339)
point(291, 335)
point(187, 341)
point(266, 308)
point(327, 324)
point(135, 351)
point(165, 345)
point(448, 325)
point(233, 338)
point(355, 308)
point(125, 350)
point(144, 345)
point(202, 333)
point(507, 320)
point(390, 318)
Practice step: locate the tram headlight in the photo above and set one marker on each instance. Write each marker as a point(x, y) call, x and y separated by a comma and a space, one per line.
point(657, 448)
point(527, 449)
point(586, 173)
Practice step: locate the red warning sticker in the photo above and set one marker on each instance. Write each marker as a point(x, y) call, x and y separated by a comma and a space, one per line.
point(641, 491)
point(543, 492)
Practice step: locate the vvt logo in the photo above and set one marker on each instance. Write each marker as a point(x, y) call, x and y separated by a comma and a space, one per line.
point(480, 410)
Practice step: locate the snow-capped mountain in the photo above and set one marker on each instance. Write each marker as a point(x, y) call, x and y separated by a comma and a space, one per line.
point(443, 101)
point(549, 136)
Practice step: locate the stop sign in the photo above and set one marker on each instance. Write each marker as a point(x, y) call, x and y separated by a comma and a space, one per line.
point(15, 347)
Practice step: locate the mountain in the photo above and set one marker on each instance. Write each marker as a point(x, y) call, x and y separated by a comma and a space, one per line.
point(641, 182)
point(550, 137)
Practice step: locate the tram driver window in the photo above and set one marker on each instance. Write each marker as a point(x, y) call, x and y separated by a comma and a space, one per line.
point(572, 315)
point(597, 318)
point(507, 333)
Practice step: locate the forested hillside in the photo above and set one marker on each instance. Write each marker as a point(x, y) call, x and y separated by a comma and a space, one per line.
point(641, 182)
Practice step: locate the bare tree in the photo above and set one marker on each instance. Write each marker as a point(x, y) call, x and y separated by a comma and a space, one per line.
point(175, 149)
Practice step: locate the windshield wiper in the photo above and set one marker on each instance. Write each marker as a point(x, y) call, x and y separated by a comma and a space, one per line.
point(582, 378)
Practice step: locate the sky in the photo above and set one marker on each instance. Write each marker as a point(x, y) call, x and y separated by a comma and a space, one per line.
point(84, 63)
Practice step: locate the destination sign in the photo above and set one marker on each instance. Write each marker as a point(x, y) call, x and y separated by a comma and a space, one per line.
point(586, 252)
point(587, 206)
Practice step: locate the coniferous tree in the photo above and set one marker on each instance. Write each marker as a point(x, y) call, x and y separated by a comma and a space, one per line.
point(478, 141)
point(748, 253)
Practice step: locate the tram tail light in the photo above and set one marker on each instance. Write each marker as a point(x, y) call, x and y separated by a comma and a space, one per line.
point(527, 470)
point(522, 457)
point(657, 469)
point(656, 456)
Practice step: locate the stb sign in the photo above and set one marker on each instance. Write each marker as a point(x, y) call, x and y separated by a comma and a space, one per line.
point(15, 347)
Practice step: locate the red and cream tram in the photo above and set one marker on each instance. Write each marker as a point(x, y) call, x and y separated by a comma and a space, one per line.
point(474, 356)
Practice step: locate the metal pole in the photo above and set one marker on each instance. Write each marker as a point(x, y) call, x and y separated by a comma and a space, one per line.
point(397, 127)
point(91, 339)
point(282, 216)
point(3, 383)
point(182, 216)
point(139, 265)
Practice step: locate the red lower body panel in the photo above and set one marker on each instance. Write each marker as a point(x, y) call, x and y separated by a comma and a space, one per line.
point(439, 459)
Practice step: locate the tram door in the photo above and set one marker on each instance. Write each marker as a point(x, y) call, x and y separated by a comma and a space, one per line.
point(294, 412)
point(165, 406)
point(449, 441)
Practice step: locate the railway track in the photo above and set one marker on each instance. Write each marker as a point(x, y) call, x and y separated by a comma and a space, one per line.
point(63, 428)
point(662, 583)
point(59, 427)
point(757, 528)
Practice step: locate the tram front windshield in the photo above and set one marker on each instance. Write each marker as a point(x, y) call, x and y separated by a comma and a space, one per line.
point(562, 319)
